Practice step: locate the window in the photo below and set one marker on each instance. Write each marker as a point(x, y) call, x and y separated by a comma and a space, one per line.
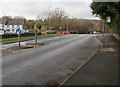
point(2, 25)
point(7, 29)
point(7, 26)
point(12, 25)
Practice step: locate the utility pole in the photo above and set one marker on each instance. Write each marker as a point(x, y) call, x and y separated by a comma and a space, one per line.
point(49, 18)
point(67, 25)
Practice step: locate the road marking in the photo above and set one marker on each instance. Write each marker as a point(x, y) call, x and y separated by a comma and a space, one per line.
point(23, 43)
point(52, 43)
point(108, 49)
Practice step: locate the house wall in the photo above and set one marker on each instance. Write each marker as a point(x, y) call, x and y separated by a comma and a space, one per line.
point(11, 28)
point(0, 26)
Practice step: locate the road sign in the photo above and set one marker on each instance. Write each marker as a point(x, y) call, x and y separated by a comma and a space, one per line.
point(18, 31)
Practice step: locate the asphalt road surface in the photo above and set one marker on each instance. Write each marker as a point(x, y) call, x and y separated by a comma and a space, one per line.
point(48, 64)
point(5, 46)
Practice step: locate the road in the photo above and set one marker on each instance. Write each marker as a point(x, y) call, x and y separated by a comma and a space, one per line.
point(102, 69)
point(5, 46)
point(48, 64)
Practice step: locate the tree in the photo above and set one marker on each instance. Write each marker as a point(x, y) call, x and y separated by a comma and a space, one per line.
point(58, 17)
point(39, 24)
point(105, 9)
point(45, 17)
point(18, 18)
point(59, 13)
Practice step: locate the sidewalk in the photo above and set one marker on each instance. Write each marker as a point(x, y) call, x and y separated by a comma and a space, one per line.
point(102, 69)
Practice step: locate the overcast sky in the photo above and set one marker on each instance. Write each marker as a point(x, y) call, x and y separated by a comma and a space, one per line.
point(30, 9)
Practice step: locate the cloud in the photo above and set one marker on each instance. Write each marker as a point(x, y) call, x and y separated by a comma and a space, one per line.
point(27, 9)
point(46, 0)
point(31, 10)
point(77, 9)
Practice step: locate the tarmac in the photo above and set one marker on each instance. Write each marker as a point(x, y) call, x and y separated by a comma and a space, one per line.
point(102, 69)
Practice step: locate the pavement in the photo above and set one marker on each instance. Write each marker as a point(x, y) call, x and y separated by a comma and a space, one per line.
point(102, 69)
point(48, 64)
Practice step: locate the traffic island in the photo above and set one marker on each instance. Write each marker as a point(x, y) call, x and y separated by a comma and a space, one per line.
point(34, 44)
point(15, 49)
point(21, 47)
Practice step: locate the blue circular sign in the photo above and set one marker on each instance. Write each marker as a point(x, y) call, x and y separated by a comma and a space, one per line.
point(18, 31)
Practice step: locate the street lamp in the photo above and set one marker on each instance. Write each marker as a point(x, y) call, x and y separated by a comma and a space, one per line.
point(67, 25)
point(60, 29)
point(35, 28)
point(49, 18)
point(108, 21)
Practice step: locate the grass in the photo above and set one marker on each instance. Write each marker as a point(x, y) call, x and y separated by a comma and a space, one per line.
point(43, 35)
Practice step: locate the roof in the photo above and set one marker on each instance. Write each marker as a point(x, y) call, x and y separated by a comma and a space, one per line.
point(11, 22)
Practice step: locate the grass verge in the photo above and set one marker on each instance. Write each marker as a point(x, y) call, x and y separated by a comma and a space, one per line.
point(43, 35)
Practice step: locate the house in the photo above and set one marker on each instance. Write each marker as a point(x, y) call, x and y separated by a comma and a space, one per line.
point(10, 26)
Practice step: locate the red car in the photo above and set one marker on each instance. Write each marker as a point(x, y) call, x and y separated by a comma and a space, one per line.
point(66, 33)
point(43, 32)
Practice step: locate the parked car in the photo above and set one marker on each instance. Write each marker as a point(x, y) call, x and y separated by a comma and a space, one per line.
point(66, 33)
point(43, 32)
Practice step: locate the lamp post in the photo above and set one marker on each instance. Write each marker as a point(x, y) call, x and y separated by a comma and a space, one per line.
point(108, 21)
point(67, 26)
point(60, 29)
point(35, 27)
point(49, 19)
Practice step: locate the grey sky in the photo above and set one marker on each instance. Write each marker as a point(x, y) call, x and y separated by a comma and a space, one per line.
point(30, 9)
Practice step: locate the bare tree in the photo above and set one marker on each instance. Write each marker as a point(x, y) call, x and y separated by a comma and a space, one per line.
point(59, 13)
point(53, 19)
point(45, 17)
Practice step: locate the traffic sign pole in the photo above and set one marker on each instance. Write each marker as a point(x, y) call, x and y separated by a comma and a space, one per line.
point(36, 36)
point(18, 31)
point(19, 40)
